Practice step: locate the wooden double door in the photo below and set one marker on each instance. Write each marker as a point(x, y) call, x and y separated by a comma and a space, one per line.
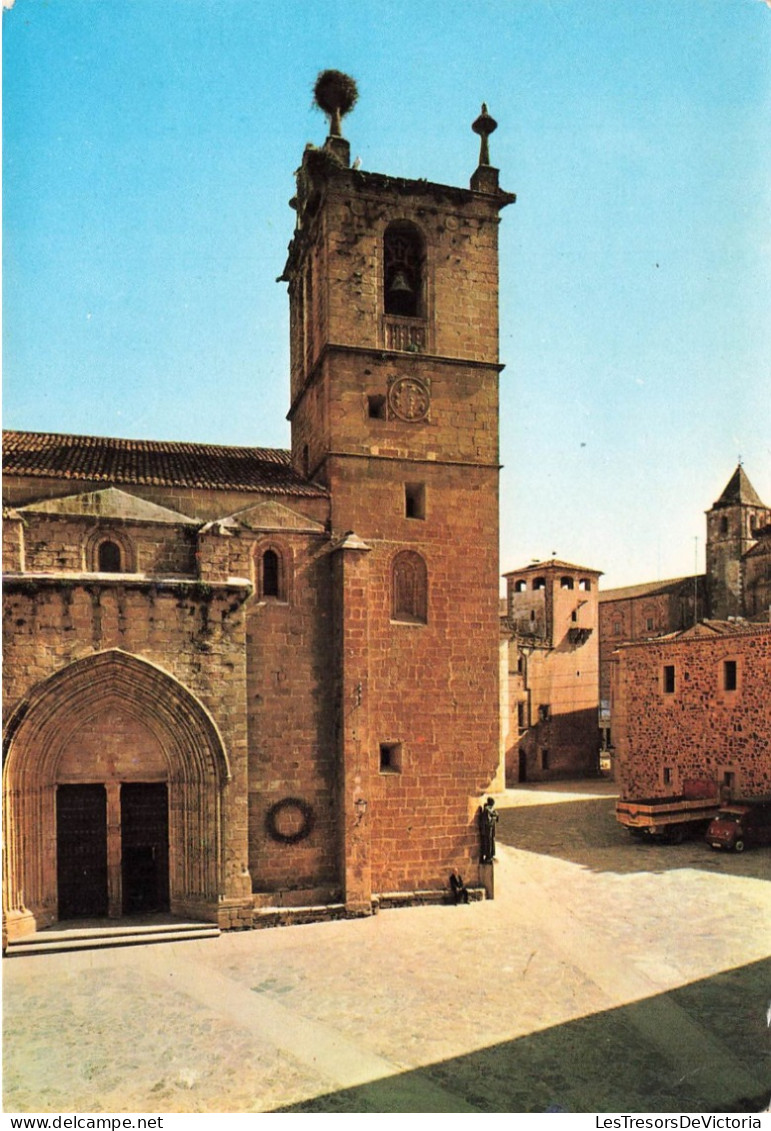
point(110, 863)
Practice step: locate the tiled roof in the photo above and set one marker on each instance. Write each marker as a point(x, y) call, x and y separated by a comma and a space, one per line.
point(704, 630)
point(646, 588)
point(553, 563)
point(99, 459)
point(723, 628)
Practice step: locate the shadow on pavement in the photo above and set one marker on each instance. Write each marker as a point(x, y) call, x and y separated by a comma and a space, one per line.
point(587, 833)
point(703, 1048)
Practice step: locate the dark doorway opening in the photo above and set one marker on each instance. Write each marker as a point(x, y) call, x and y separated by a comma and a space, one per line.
point(144, 847)
point(81, 851)
point(522, 766)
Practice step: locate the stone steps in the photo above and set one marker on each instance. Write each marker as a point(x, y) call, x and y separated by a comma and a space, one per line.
point(289, 916)
point(59, 940)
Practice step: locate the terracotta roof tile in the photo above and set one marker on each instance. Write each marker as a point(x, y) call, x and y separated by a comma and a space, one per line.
point(553, 563)
point(704, 630)
point(648, 588)
point(99, 459)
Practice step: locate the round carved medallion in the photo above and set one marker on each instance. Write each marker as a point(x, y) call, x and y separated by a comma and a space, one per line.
point(409, 399)
point(290, 820)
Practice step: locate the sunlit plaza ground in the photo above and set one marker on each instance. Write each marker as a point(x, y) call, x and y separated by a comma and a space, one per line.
point(607, 975)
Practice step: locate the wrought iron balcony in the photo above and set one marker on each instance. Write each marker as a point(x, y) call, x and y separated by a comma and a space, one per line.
point(579, 636)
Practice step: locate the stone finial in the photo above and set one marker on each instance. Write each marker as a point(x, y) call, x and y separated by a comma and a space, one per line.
point(336, 95)
point(484, 126)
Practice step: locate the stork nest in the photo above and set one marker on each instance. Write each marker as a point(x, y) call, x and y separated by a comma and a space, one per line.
point(335, 91)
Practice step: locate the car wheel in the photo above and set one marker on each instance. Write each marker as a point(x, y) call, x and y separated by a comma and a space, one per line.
point(739, 846)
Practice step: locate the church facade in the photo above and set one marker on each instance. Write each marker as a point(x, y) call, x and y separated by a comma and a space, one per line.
point(238, 679)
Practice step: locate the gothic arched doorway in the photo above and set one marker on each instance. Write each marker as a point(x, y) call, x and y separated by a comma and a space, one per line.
point(116, 756)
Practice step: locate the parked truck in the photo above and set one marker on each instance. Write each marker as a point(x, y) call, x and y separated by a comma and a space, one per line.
point(671, 818)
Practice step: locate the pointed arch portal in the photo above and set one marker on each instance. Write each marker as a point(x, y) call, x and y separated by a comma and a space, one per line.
point(51, 741)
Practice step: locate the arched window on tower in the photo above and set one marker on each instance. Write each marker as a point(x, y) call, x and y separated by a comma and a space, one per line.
point(109, 558)
point(403, 270)
point(409, 588)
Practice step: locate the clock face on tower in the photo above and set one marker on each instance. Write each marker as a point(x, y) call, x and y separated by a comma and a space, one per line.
point(409, 399)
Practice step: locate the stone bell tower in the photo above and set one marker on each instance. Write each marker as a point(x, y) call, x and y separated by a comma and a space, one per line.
point(731, 525)
point(393, 287)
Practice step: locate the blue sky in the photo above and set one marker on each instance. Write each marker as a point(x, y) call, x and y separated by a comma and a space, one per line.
point(149, 151)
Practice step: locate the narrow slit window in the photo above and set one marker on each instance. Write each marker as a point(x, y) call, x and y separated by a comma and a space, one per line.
point(271, 574)
point(414, 500)
point(669, 679)
point(729, 675)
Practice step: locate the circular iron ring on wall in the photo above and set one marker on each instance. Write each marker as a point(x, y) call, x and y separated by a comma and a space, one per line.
point(274, 813)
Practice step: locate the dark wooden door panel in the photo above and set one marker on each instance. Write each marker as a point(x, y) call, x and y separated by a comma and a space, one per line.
point(81, 847)
point(144, 847)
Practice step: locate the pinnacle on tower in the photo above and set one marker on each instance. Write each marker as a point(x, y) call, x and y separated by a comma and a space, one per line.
point(739, 490)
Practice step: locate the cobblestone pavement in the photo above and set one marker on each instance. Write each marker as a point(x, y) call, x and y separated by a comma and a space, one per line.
point(607, 975)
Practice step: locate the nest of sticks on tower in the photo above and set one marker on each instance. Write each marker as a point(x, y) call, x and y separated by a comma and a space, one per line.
point(336, 94)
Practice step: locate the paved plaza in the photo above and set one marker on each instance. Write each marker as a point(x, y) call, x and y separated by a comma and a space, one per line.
point(607, 975)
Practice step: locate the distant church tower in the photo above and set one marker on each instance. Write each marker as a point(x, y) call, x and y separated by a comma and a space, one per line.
point(393, 288)
point(731, 525)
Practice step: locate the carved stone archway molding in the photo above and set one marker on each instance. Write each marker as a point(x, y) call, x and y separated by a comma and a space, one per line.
point(36, 736)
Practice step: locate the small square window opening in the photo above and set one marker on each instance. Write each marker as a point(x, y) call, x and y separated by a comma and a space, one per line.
point(376, 407)
point(390, 757)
